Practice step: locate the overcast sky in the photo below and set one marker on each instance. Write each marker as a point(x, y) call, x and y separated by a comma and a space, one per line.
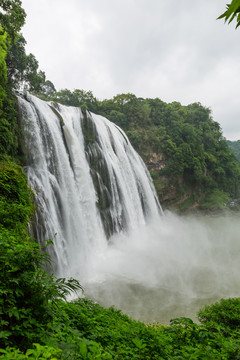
point(170, 49)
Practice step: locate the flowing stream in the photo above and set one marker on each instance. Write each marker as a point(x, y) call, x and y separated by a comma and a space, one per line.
point(97, 203)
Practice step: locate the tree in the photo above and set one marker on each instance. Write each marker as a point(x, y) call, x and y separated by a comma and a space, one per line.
point(22, 69)
point(48, 89)
point(33, 79)
point(232, 12)
point(64, 97)
point(12, 16)
point(3, 68)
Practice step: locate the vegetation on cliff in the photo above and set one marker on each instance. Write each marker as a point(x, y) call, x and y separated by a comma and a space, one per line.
point(183, 147)
point(235, 146)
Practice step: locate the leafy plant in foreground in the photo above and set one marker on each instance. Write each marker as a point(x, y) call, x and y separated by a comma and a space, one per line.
point(27, 291)
point(40, 352)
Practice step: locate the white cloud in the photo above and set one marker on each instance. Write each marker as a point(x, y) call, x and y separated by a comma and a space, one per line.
point(174, 50)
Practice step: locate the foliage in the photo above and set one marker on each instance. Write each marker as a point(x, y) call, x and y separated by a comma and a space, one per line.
point(27, 292)
point(106, 332)
point(197, 341)
point(22, 69)
point(3, 67)
point(86, 330)
point(12, 16)
point(226, 313)
point(15, 198)
point(235, 146)
point(84, 99)
point(214, 200)
point(17, 71)
point(8, 141)
point(40, 352)
point(232, 12)
point(9, 130)
point(195, 154)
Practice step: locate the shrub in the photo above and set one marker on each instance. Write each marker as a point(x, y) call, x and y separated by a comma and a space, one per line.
point(226, 312)
point(40, 352)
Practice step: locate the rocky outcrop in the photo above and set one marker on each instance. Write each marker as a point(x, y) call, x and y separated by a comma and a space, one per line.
point(156, 162)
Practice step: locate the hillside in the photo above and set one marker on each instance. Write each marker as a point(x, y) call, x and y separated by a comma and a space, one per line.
point(235, 146)
point(184, 149)
point(190, 161)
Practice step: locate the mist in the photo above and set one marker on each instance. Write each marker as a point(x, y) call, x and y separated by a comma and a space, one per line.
point(166, 268)
point(169, 268)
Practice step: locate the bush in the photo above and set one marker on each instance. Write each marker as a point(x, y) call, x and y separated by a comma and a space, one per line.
point(226, 312)
point(27, 292)
point(40, 352)
point(16, 206)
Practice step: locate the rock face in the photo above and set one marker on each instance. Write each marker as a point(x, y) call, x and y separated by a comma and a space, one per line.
point(172, 192)
point(156, 162)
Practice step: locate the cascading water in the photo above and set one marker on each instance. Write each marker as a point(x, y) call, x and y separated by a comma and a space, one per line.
point(96, 201)
point(88, 182)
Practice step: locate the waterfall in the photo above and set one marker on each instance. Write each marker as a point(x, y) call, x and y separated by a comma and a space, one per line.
point(88, 181)
point(96, 202)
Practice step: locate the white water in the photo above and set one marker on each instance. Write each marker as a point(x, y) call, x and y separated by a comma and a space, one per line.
point(66, 199)
point(155, 267)
point(170, 268)
point(59, 174)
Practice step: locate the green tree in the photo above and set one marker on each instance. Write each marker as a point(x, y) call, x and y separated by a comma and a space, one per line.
point(23, 72)
point(78, 97)
point(3, 67)
point(85, 98)
point(118, 118)
point(64, 97)
point(12, 16)
point(8, 120)
point(235, 146)
point(48, 89)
